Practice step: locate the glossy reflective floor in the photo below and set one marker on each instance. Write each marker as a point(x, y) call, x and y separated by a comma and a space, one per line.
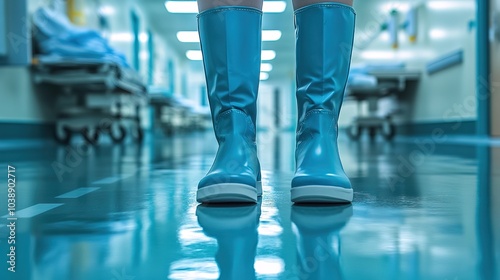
point(422, 210)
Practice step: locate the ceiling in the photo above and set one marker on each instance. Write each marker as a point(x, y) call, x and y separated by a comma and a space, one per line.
point(168, 24)
point(370, 13)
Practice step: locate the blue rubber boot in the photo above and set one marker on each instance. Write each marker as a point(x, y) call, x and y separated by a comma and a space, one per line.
point(235, 229)
point(317, 233)
point(325, 34)
point(231, 45)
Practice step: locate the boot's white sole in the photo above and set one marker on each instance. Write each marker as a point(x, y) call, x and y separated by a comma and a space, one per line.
point(228, 192)
point(321, 194)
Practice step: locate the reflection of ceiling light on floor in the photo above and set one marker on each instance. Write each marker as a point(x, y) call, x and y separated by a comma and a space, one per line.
point(192, 6)
point(144, 55)
point(143, 37)
point(193, 37)
point(196, 55)
point(266, 67)
point(264, 76)
point(269, 266)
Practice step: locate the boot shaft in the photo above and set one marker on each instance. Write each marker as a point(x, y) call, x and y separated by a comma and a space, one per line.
point(325, 34)
point(230, 40)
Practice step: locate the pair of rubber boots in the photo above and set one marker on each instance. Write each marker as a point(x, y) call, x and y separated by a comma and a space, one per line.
point(317, 233)
point(231, 45)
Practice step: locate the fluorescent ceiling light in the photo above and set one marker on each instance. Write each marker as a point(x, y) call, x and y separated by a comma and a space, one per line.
point(271, 35)
point(107, 10)
point(127, 37)
point(266, 67)
point(192, 6)
point(264, 76)
point(188, 36)
point(193, 37)
point(268, 55)
point(448, 5)
point(274, 6)
point(182, 7)
point(196, 55)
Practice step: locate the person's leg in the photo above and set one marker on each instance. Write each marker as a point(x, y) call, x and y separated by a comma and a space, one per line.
point(297, 4)
point(230, 37)
point(204, 5)
point(325, 34)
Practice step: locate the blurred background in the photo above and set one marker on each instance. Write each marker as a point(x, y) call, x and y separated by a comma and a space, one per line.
point(416, 66)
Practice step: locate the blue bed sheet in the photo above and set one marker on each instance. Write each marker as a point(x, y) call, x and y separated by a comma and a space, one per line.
point(58, 38)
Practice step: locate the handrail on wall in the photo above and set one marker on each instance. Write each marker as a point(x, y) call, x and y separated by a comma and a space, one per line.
point(445, 62)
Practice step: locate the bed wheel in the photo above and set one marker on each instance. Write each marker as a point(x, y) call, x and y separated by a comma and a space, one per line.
point(138, 134)
point(63, 135)
point(91, 138)
point(354, 132)
point(168, 130)
point(117, 133)
point(388, 131)
point(372, 133)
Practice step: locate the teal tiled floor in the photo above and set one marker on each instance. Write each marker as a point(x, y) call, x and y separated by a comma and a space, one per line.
point(421, 211)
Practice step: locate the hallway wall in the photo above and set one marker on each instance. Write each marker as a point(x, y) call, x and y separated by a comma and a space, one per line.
point(444, 96)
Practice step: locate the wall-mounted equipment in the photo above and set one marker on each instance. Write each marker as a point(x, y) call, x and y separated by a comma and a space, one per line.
point(393, 28)
point(412, 24)
point(76, 11)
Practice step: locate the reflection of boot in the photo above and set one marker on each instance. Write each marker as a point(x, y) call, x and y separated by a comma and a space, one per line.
point(231, 46)
point(325, 34)
point(235, 228)
point(317, 239)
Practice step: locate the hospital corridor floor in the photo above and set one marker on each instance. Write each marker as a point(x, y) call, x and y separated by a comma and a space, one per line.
point(421, 210)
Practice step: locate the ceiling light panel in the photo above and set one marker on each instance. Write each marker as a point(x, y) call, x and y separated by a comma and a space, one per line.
point(264, 76)
point(266, 67)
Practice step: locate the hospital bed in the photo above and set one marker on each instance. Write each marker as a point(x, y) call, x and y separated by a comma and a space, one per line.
point(391, 81)
point(94, 96)
point(175, 114)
